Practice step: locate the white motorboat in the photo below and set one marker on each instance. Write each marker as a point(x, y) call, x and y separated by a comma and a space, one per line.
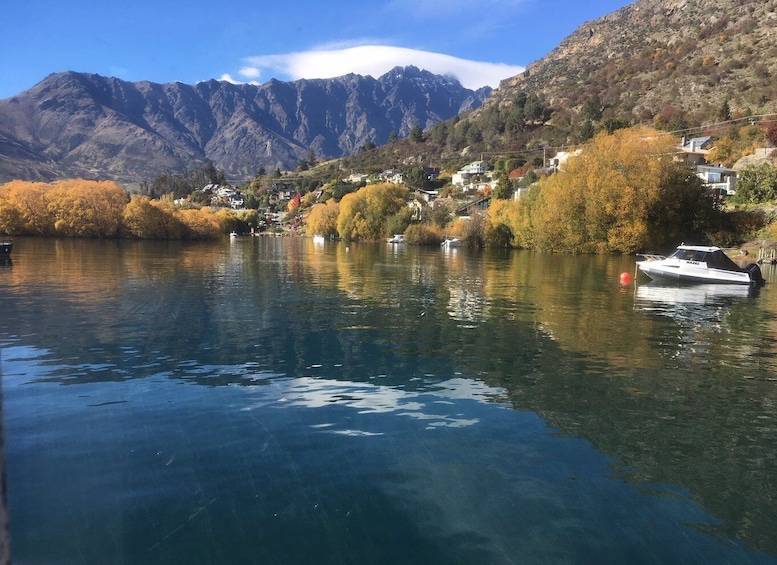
point(699, 264)
point(450, 242)
point(396, 238)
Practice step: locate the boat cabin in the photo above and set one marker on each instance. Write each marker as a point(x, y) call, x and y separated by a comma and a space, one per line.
point(712, 256)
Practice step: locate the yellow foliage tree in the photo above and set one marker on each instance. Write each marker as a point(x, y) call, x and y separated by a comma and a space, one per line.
point(625, 192)
point(82, 208)
point(151, 219)
point(199, 224)
point(322, 218)
point(364, 214)
point(25, 208)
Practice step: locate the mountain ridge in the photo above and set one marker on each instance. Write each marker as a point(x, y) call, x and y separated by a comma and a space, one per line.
point(82, 124)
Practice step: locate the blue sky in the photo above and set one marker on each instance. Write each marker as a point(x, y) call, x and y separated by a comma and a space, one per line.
point(478, 41)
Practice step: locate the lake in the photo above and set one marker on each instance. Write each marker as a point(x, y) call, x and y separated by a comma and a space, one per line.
point(275, 400)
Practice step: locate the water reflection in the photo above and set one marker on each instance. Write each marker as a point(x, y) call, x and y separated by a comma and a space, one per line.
point(675, 386)
point(705, 305)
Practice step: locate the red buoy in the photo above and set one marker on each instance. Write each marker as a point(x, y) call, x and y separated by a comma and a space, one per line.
point(625, 279)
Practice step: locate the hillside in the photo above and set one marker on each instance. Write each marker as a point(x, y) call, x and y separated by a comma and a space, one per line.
point(662, 60)
point(679, 65)
point(83, 125)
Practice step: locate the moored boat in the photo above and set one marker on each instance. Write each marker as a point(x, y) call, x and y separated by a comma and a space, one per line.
point(396, 238)
point(450, 242)
point(6, 246)
point(699, 264)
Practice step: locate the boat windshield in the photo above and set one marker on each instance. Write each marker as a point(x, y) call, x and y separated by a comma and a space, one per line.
point(714, 259)
point(689, 255)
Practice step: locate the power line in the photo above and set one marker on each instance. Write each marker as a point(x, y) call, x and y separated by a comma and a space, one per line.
point(752, 119)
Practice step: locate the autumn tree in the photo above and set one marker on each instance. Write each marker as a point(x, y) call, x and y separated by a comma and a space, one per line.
point(199, 224)
point(25, 208)
point(364, 214)
point(151, 219)
point(623, 193)
point(80, 208)
point(72, 208)
point(322, 218)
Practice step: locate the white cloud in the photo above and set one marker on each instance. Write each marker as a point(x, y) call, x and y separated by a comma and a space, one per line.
point(228, 78)
point(376, 60)
point(250, 73)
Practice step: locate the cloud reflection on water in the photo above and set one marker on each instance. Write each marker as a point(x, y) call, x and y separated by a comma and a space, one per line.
point(430, 404)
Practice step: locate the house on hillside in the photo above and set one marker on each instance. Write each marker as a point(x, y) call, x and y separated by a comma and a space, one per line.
point(720, 180)
point(464, 178)
point(357, 178)
point(560, 159)
point(474, 168)
point(283, 191)
point(394, 176)
point(224, 196)
point(696, 149)
point(432, 173)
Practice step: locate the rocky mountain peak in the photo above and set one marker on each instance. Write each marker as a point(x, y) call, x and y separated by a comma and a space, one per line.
point(87, 125)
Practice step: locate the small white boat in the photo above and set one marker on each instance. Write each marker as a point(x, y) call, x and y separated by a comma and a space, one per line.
point(396, 238)
point(233, 234)
point(319, 239)
point(699, 264)
point(6, 246)
point(450, 242)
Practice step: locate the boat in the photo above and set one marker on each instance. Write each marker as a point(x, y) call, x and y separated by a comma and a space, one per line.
point(396, 238)
point(450, 242)
point(6, 245)
point(319, 239)
point(232, 234)
point(699, 264)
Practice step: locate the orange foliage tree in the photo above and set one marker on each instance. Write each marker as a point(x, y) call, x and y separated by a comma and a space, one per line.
point(322, 218)
point(625, 192)
point(70, 208)
point(84, 208)
point(80, 208)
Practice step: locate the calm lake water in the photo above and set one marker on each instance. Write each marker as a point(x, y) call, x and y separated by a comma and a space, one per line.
point(270, 400)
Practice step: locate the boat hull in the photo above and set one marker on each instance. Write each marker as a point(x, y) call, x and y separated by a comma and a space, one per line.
point(680, 273)
point(5, 248)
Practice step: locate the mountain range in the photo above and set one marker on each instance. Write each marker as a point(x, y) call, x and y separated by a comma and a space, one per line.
point(84, 125)
point(687, 66)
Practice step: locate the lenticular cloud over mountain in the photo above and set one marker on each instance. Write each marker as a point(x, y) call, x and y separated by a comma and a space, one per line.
point(375, 60)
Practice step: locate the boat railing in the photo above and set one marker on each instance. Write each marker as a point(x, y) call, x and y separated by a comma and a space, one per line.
point(651, 256)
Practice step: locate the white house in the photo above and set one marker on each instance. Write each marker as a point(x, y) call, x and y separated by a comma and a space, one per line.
point(463, 178)
point(357, 178)
point(719, 179)
point(393, 176)
point(474, 168)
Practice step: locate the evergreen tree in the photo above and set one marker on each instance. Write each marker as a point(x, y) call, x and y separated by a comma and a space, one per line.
point(724, 112)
